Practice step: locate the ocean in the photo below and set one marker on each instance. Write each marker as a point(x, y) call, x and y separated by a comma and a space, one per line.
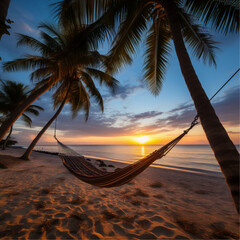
point(194, 158)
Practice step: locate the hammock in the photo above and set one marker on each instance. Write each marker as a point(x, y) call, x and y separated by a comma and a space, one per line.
point(88, 173)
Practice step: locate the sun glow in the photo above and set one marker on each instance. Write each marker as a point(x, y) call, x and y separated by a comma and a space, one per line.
point(142, 140)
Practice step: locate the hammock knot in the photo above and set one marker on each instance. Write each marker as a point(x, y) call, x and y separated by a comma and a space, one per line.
point(193, 123)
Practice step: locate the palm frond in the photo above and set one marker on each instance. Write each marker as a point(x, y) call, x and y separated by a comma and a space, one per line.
point(128, 37)
point(223, 15)
point(34, 44)
point(104, 78)
point(27, 63)
point(53, 31)
point(89, 83)
point(27, 120)
point(79, 12)
point(80, 100)
point(40, 74)
point(201, 42)
point(51, 42)
point(90, 36)
point(156, 56)
point(37, 107)
point(34, 109)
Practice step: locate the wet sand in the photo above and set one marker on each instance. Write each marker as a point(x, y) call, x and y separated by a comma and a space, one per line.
point(41, 199)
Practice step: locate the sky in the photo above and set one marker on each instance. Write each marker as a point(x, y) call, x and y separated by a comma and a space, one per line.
point(133, 111)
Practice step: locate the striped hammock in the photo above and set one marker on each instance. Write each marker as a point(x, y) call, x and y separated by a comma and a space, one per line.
point(88, 173)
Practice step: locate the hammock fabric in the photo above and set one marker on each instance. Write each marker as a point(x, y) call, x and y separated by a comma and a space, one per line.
point(85, 171)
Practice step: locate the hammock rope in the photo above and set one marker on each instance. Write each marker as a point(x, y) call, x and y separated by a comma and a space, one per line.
point(86, 172)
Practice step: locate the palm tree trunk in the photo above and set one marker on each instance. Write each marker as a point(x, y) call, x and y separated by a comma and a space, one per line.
point(20, 109)
point(27, 153)
point(6, 140)
point(4, 4)
point(222, 146)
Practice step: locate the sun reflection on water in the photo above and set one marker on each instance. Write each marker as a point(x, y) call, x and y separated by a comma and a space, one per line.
point(143, 151)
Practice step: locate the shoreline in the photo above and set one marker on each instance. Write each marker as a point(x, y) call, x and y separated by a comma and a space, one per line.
point(41, 199)
point(191, 170)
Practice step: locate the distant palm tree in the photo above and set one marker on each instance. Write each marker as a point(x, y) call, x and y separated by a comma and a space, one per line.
point(11, 95)
point(170, 19)
point(60, 53)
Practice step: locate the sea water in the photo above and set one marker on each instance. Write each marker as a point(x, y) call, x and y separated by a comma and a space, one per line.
point(196, 158)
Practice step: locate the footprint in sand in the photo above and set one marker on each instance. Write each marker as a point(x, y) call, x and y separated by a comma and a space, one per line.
point(170, 225)
point(35, 233)
point(181, 237)
point(7, 186)
point(159, 196)
point(45, 191)
point(109, 215)
point(99, 227)
point(156, 185)
point(120, 212)
point(61, 179)
point(149, 213)
point(60, 215)
point(12, 194)
point(40, 205)
point(119, 230)
point(93, 236)
point(140, 193)
point(163, 231)
point(128, 225)
point(202, 192)
point(77, 201)
point(5, 216)
point(147, 235)
point(73, 225)
point(145, 224)
point(157, 219)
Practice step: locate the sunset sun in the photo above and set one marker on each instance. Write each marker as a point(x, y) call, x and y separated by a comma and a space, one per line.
point(142, 140)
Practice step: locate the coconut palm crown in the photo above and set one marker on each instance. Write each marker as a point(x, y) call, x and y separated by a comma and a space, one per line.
point(11, 95)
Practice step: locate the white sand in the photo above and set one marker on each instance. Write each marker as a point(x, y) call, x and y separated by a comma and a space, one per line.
point(42, 199)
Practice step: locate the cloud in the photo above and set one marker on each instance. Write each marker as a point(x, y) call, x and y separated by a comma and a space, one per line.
point(226, 107)
point(145, 115)
point(29, 29)
point(107, 124)
point(123, 92)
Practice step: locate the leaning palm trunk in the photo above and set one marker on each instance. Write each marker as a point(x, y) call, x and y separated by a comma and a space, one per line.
point(27, 153)
point(6, 140)
point(222, 146)
point(20, 109)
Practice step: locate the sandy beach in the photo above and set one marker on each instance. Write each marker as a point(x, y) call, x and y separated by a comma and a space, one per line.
point(41, 199)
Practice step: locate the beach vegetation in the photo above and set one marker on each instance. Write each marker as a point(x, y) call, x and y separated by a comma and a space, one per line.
point(13, 94)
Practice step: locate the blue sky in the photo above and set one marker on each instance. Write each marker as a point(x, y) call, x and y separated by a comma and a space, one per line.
point(133, 111)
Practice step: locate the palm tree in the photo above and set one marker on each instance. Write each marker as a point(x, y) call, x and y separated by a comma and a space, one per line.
point(12, 94)
point(4, 4)
point(171, 19)
point(75, 91)
point(60, 52)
